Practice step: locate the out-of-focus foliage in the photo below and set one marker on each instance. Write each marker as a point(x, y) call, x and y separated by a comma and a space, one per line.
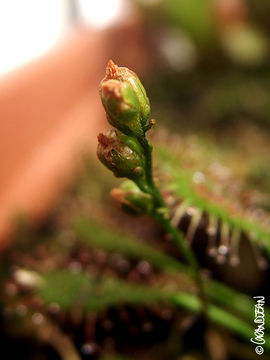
point(93, 293)
point(94, 268)
point(209, 85)
point(193, 16)
point(212, 62)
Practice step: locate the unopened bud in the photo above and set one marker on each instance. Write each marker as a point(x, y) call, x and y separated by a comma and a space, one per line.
point(125, 100)
point(132, 199)
point(122, 155)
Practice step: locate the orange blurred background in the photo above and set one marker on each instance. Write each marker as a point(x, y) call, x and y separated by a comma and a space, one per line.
point(49, 105)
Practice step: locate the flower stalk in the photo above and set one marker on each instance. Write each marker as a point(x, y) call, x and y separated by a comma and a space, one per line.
point(128, 153)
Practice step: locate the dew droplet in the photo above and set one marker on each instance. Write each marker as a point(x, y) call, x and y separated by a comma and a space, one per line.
point(37, 318)
point(75, 267)
point(223, 250)
point(27, 278)
point(263, 264)
point(170, 200)
point(211, 230)
point(212, 236)
point(119, 263)
point(54, 308)
point(144, 268)
point(191, 210)
point(234, 260)
point(212, 251)
point(89, 348)
point(224, 247)
point(198, 177)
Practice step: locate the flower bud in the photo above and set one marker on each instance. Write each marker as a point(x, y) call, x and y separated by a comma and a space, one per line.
point(132, 199)
point(122, 155)
point(125, 100)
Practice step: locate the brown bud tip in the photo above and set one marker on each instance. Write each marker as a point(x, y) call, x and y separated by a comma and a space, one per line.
point(105, 141)
point(117, 194)
point(111, 89)
point(112, 70)
point(152, 122)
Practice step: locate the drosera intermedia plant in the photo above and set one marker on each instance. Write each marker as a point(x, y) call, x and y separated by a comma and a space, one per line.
point(127, 152)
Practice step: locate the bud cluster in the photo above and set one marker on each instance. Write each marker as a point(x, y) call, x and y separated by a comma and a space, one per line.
point(127, 153)
point(128, 110)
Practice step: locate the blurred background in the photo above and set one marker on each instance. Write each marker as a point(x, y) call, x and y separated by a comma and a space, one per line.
point(205, 65)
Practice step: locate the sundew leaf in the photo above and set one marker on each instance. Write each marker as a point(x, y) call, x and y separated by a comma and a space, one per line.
point(106, 239)
point(180, 185)
point(93, 293)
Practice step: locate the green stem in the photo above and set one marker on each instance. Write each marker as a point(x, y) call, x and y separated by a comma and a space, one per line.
point(148, 160)
point(166, 223)
point(186, 251)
